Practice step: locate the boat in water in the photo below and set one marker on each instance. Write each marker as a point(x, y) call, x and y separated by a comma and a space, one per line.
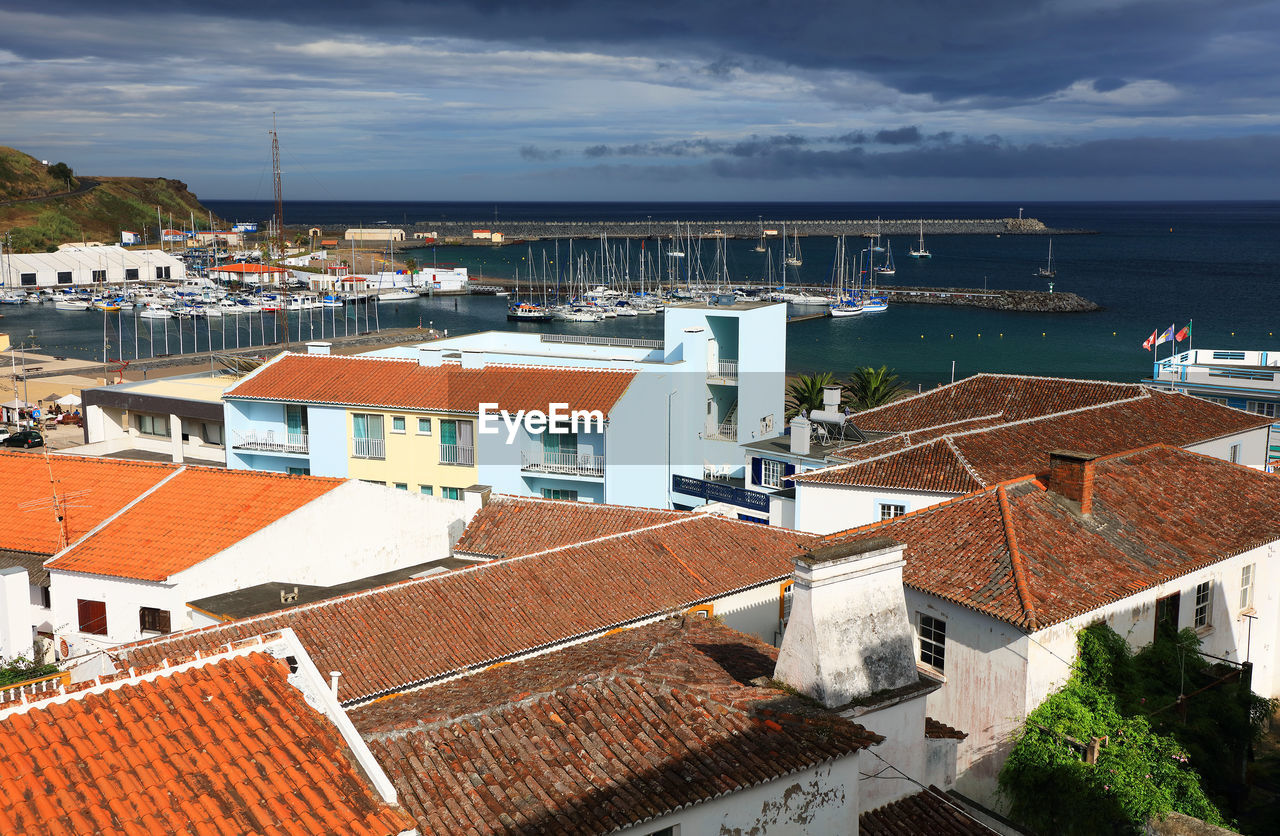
point(1047, 272)
point(920, 252)
point(528, 312)
point(71, 305)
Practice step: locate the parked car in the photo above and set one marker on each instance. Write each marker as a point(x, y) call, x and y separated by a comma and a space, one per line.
point(25, 439)
point(5, 432)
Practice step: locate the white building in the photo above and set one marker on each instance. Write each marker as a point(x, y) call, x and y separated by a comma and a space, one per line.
point(79, 266)
point(378, 233)
point(1000, 581)
point(180, 417)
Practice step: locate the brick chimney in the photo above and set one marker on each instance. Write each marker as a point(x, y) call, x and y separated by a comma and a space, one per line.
point(1071, 476)
point(849, 635)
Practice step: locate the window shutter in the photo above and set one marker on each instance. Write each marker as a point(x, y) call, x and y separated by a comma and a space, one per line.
point(788, 470)
point(93, 617)
point(162, 621)
point(756, 468)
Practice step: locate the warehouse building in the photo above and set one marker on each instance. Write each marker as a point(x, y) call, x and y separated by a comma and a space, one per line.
point(381, 233)
point(76, 266)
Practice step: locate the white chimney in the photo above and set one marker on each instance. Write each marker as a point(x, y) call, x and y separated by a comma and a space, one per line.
point(428, 356)
point(318, 347)
point(848, 635)
point(800, 435)
point(473, 359)
point(831, 398)
point(333, 682)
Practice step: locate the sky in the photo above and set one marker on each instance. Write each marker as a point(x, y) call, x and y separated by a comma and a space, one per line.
point(673, 100)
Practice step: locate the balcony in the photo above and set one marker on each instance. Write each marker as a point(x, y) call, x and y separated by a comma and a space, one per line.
point(728, 431)
point(269, 442)
point(723, 370)
point(458, 455)
point(565, 463)
point(369, 448)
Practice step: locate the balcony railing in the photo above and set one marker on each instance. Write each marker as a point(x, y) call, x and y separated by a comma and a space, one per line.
point(268, 441)
point(571, 463)
point(724, 369)
point(727, 431)
point(457, 454)
point(44, 686)
point(369, 448)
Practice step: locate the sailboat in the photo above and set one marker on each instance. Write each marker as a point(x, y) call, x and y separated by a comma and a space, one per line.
point(1047, 272)
point(921, 252)
point(848, 302)
point(887, 269)
point(761, 248)
point(528, 311)
point(794, 260)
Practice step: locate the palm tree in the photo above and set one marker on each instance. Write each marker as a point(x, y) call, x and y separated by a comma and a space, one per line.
point(869, 388)
point(805, 392)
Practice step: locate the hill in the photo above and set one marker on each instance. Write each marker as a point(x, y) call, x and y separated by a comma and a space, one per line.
point(41, 212)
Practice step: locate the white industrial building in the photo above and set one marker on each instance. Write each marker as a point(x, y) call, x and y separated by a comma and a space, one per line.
point(381, 233)
point(79, 266)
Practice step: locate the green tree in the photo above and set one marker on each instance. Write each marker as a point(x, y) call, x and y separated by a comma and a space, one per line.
point(869, 388)
point(411, 264)
point(61, 172)
point(805, 392)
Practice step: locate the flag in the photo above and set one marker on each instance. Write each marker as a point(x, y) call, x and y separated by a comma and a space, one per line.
point(1166, 336)
point(1151, 340)
point(1184, 333)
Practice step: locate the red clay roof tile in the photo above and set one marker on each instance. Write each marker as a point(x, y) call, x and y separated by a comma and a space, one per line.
point(1157, 513)
point(405, 384)
point(928, 811)
point(512, 525)
point(98, 789)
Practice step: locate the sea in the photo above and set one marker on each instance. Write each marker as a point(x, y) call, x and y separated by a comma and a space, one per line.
point(1150, 265)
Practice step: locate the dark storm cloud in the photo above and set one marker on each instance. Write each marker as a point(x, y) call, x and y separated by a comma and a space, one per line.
point(909, 135)
point(1003, 49)
point(539, 155)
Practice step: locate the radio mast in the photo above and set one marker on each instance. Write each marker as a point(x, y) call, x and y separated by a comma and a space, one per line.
point(282, 314)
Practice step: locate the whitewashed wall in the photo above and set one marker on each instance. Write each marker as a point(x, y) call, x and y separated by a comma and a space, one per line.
point(1253, 447)
point(817, 801)
point(823, 509)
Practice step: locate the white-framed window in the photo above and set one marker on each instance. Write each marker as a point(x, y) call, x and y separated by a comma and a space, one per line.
point(560, 493)
point(889, 510)
point(152, 424)
point(933, 641)
point(1246, 587)
point(1267, 408)
point(1204, 604)
point(770, 473)
point(424, 426)
point(397, 424)
point(450, 493)
point(1233, 454)
point(426, 490)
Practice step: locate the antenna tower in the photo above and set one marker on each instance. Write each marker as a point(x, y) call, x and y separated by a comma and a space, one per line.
point(282, 313)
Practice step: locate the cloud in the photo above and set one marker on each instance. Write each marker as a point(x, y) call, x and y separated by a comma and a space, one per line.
point(909, 135)
point(535, 154)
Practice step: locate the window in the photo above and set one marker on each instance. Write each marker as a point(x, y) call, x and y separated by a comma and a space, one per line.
point(295, 423)
point(451, 493)
point(560, 493)
point(456, 443)
point(1204, 603)
point(1219, 401)
point(1167, 616)
point(64, 277)
point(424, 426)
point(1233, 454)
point(211, 433)
point(152, 424)
point(397, 424)
point(770, 473)
point(367, 441)
point(933, 641)
point(131, 273)
point(46, 600)
point(402, 486)
point(93, 616)
point(1267, 408)
point(99, 275)
point(889, 510)
point(152, 620)
point(1246, 587)
point(28, 279)
point(425, 490)
point(298, 471)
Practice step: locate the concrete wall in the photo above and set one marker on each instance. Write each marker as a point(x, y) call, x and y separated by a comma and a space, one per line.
point(819, 800)
point(902, 725)
point(1253, 447)
point(823, 508)
point(411, 458)
point(636, 443)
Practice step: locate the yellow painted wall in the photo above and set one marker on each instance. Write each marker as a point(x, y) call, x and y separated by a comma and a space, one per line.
point(412, 458)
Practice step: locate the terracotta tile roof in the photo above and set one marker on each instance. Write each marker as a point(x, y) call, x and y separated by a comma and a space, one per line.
point(89, 490)
point(903, 440)
point(1024, 555)
point(599, 736)
point(514, 525)
point(927, 812)
point(941, 731)
point(971, 458)
point(439, 625)
point(405, 384)
point(194, 515)
point(228, 746)
point(1013, 397)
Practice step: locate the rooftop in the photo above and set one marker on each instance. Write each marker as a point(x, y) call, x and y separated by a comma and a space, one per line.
point(191, 387)
point(515, 606)
point(513, 525)
point(629, 727)
point(928, 811)
point(405, 384)
point(1028, 556)
point(192, 515)
point(965, 456)
point(223, 745)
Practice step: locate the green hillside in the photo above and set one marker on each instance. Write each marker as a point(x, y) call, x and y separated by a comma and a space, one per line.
point(39, 213)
